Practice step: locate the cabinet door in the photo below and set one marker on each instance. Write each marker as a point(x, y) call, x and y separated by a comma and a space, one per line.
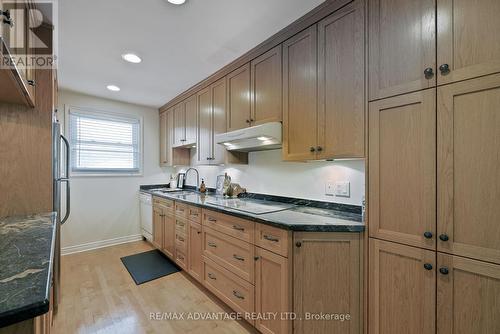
point(238, 98)
point(300, 96)
point(163, 139)
point(169, 234)
point(195, 247)
point(179, 125)
point(204, 145)
point(190, 112)
point(341, 83)
point(157, 226)
point(468, 168)
point(321, 259)
point(401, 46)
point(272, 291)
point(402, 291)
point(402, 170)
point(266, 87)
point(219, 120)
point(467, 39)
point(468, 296)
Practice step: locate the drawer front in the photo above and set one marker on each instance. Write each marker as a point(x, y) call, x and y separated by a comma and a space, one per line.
point(194, 214)
point(181, 210)
point(181, 225)
point(239, 228)
point(273, 239)
point(235, 255)
point(234, 291)
point(181, 241)
point(166, 203)
point(181, 258)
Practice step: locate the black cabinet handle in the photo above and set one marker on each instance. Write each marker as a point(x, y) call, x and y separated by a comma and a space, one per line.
point(319, 148)
point(444, 237)
point(239, 258)
point(429, 73)
point(444, 69)
point(428, 266)
point(31, 82)
point(211, 276)
point(212, 244)
point(298, 244)
point(256, 258)
point(238, 295)
point(312, 149)
point(248, 121)
point(428, 235)
point(270, 238)
point(238, 228)
point(444, 270)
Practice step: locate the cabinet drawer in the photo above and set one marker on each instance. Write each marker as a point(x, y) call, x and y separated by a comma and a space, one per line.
point(239, 228)
point(181, 225)
point(181, 210)
point(194, 214)
point(181, 258)
point(180, 241)
point(271, 238)
point(234, 291)
point(235, 255)
point(166, 203)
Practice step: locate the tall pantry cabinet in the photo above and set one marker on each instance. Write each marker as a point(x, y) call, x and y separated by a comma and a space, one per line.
point(434, 152)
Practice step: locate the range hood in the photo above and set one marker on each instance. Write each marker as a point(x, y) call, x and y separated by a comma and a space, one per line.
point(256, 138)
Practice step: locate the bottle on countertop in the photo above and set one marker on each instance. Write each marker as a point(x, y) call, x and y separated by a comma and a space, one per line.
point(203, 187)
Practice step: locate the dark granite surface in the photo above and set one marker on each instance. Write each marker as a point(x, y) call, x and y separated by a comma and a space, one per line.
point(26, 255)
point(303, 215)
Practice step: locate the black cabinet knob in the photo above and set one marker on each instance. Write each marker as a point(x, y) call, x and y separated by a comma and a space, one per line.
point(444, 237)
point(428, 72)
point(312, 149)
point(31, 82)
point(319, 148)
point(428, 266)
point(444, 270)
point(444, 69)
point(248, 121)
point(298, 244)
point(428, 235)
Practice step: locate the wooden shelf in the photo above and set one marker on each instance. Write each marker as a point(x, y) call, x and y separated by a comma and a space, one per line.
point(13, 88)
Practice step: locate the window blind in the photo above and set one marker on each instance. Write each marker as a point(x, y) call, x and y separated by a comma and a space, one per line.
point(103, 143)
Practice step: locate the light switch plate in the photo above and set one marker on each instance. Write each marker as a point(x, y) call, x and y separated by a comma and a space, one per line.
point(343, 189)
point(330, 189)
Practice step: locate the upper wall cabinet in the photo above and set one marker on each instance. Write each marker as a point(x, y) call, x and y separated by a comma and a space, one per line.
point(402, 46)
point(266, 88)
point(185, 122)
point(170, 156)
point(468, 43)
point(238, 98)
point(164, 140)
point(179, 125)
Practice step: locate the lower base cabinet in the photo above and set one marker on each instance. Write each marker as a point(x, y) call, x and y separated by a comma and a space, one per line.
point(169, 234)
point(195, 247)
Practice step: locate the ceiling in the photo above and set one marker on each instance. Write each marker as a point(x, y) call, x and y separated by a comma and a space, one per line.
point(179, 45)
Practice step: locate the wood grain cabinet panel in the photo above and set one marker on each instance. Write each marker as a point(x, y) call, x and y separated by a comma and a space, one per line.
point(205, 119)
point(238, 98)
point(191, 117)
point(467, 39)
point(219, 100)
point(266, 87)
point(402, 46)
point(327, 278)
point(179, 113)
point(164, 139)
point(169, 234)
point(468, 168)
point(157, 227)
point(272, 291)
point(402, 291)
point(468, 296)
point(341, 74)
point(402, 169)
point(195, 248)
point(300, 96)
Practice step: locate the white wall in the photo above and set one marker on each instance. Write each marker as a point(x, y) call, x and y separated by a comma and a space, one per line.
point(107, 208)
point(266, 173)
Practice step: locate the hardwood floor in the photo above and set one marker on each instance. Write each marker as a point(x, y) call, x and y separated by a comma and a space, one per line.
point(99, 296)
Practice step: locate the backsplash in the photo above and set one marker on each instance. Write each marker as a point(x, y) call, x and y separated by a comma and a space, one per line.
point(266, 173)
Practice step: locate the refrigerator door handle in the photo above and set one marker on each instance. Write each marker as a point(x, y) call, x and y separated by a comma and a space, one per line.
point(66, 181)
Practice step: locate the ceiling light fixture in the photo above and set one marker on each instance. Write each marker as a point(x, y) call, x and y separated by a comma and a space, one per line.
point(131, 58)
point(176, 2)
point(113, 88)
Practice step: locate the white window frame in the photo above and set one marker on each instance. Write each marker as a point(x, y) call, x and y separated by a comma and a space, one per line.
point(111, 115)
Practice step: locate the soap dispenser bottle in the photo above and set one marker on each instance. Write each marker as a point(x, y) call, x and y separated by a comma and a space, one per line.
point(203, 187)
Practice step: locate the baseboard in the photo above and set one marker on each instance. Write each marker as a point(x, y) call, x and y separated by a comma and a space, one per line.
point(100, 244)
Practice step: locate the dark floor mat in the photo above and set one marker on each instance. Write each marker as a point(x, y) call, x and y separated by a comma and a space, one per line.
point(147, 266)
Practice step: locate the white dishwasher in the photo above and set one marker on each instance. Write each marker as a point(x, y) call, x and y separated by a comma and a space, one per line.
point(146, 201)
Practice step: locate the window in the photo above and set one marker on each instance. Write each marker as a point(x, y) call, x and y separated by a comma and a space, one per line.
point(104, 143)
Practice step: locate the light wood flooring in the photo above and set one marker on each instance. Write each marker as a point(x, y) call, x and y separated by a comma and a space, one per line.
point(99, 296)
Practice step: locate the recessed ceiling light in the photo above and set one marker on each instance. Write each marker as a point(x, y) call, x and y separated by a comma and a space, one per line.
point(131, 58)
point(113, 88)
point(176, 2)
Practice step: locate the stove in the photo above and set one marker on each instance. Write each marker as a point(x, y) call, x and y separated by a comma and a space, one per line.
point(256, 207)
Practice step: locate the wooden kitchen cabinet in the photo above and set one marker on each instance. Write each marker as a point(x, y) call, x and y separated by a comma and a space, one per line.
point(205, 136)
point(238, 98)
point(179, 125)
point(158, 227)
point(402, 46)
point(402, 169)
point(402, 289)
point(341, 71)
point(266, 75)
point(195, 248)
point(169, 234)
point(327, 278)
point(468, 168)
point(467, 40)
point(185, 122)
point(468, 296)
point(273, 283)
point(164, 140)
point(170, 156)
point(300, 95)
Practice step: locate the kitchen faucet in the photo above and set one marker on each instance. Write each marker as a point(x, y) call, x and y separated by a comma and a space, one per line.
point(197, 177)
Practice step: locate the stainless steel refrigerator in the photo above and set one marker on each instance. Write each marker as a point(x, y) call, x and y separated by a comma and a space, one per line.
point(60, 172)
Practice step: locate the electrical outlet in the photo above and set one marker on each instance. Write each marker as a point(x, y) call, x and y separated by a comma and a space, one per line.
point(329, 189)
point(343, 189)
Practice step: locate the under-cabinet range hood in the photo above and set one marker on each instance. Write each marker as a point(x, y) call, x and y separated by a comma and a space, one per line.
point(256, 138)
